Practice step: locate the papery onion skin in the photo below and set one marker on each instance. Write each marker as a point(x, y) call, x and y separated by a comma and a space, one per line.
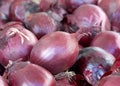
point(30, 75)
point(16, 42)
point(93, 62)
point(109, 41)
point(3, 82)
point(41, 24)
point(57, 51)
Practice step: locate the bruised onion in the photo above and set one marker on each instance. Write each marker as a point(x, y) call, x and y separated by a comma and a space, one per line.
point(28, 74)
point(92, 63)
point(57, 51)
point(16, 42)
point(41, 24)
point(109, 41)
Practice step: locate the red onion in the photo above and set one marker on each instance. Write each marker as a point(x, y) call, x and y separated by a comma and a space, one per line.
point(93, 62)
point(22, 8)
point(41, 24)
point(87, 18)
point(109, 41)
point(28, 74)
point(57, 51)
point(15, 42)
point(112, 9)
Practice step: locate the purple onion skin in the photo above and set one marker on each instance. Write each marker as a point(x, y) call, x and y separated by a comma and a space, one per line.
point(109, 41)
point(28, 74)
point(93, 62)
point(16, 42)
point(57, 51)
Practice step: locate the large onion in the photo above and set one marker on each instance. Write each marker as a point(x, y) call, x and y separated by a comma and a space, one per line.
point(56, 51)
point(15, 42)
point(28, 74)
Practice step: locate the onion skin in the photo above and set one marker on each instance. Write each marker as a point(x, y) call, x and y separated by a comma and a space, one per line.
point(16, 42)
point(3, 82)
point(112, 9)
point(89, 19)
point(41, 24)
point(93, 62)
point(109, 41)
point(30, 75)
point(57, 51)
point(92, 18)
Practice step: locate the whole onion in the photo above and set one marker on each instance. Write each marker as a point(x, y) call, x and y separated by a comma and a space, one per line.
point(41, 24)
point(109, 41)
point(57, 51)
point(89, 19)
point(28, 74)
point(16, 42)
point(93, 63)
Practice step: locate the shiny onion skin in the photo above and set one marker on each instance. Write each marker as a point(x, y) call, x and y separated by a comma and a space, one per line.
point(41, 24)
point(112, 9)
point(16, 42)
point(28, 74)
point(22, 8)
point(109, 41)
point(57, 51)
point(92, 63)
point(3, 82)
